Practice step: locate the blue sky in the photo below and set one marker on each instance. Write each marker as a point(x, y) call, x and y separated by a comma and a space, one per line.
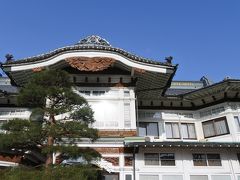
point(203, 36)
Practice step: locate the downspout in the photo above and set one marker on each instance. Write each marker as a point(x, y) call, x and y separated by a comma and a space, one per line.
point(137, 123)
point(134, 164)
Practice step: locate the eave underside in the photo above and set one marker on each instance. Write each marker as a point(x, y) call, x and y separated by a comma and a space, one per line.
point(225, 91)
point(148, 83)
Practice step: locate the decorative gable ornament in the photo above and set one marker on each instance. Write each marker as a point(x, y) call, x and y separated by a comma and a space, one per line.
point(90, 64)
point(94, 40)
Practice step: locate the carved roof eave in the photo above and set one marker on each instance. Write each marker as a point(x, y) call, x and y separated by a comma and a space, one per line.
point(98, 48)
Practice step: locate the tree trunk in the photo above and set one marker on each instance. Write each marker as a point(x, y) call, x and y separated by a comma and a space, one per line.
point(50, 142)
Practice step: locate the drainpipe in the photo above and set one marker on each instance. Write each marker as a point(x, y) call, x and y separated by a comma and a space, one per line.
point(134, 165)
point(137, 123)
point(180, 126)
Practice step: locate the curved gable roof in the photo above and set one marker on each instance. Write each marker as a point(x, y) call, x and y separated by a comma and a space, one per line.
point(90, 43)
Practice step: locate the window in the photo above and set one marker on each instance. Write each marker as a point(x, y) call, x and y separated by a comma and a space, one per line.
point(198, 177)
point(213, 111)
point(172, 130)
point(1, 124)
point(111, 176)
point(98, 93)
point(126, 94)
point(206, 160)
point(187, 131)
point(127, 115)
point(172, 177)
point(215, 127)
point(148, 177)
point(87, 93)
point(128, 177)
point(148, 129)
point(151, 158)
point(128, 161)
point(237, 122)
point(163, 159)
point(221, 177)
point(167, 159)
point(238, 156)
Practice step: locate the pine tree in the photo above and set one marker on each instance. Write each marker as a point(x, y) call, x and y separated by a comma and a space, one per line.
point(50, 93)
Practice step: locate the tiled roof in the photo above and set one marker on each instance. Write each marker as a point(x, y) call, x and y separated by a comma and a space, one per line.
point(93, 43)
point(175, 92)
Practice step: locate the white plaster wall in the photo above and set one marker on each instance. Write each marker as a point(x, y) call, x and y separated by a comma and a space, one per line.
point(184, 164)
point(180, 117)
point(109, 108)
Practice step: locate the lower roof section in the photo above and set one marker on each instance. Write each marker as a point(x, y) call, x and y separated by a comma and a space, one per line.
point(182, 144)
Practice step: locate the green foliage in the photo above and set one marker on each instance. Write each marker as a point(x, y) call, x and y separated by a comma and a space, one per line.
point(84, 172)
point(50, 93)
point(21, 134)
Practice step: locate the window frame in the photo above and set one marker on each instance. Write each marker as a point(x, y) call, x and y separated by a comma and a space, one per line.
point(180, 130)
point(188, 131)
point(207, 159)
point(146, 131)
point(214, 126)
point(161, 160)
point(238, 157)
point(145, 159)
point(236, 118)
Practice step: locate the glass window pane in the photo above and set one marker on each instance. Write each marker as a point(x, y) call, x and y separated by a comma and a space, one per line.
point(214, 159)
point(184, 131)
point(208, 129)
point(169, 130)
point(221, 177)
point(199, 160)
point(213, 156)
point(151, 159)
point(237, 122)
point(221, 127)
point(238, 156)
point(98, 93)
point(175, 129)
point(214, 162)
point(172, 177)
point(152, 129)
point(128, 177)
point(191, 131)
point(111, 177)
point(148, 177)
point(142, 129)
point(167, 159)
point(167, 162)
point(198, 177)
point(126, 94)
point(168, 156)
